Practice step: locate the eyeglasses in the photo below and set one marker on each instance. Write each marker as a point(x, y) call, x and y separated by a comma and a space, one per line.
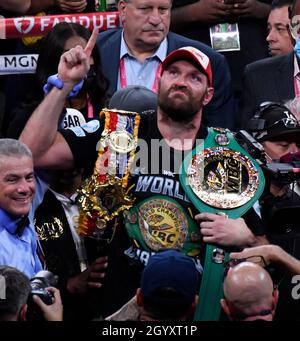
point(242, 316)
point(235, 261)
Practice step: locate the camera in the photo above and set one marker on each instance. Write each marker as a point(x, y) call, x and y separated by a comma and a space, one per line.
point(285, 172)
point(282, 214)
point(42, 280)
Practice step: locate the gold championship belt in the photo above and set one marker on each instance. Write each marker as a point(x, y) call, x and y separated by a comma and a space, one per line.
point(219, 177)
point(104, 195)
point(223, 178)
point(158, 223)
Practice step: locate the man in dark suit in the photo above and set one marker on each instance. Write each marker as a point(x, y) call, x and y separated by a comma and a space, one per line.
point(271, 79)
point(146, 41)
point(196, 18)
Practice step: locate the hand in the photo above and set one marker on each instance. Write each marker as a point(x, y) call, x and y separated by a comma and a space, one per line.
point(218, 229)
point(53, 312)
point(75, 63)
point(250, 9)
point(212, 11)
point(129, 311)
point(90, 278)
point(268, 252)
point(71, 6)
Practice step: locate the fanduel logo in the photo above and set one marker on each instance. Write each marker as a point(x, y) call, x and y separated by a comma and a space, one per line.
point(24, 25)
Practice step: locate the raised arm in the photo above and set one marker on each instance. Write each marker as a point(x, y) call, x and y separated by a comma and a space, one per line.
point(49, 148)
point(271, 254)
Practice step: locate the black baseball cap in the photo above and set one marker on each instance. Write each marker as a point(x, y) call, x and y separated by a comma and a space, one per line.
point(134, 98)
point(279, 124)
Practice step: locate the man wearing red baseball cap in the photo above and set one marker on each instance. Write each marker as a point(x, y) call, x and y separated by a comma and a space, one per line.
point(162, 217)
point(192, 54)
point(185, 88)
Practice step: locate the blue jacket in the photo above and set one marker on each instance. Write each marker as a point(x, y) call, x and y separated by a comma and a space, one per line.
point(220, 112)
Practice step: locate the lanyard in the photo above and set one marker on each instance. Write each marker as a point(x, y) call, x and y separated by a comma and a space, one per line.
point(123, 79)
point(296, 86)
point(90, 107)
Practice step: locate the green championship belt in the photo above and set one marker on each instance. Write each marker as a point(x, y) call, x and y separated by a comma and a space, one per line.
point(220, 177)
point(159, 223)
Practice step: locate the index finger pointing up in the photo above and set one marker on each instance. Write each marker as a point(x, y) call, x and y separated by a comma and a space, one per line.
point(91, 43)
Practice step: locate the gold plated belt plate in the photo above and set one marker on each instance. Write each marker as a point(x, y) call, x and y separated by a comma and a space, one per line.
point(159, 223)
point(223, 178)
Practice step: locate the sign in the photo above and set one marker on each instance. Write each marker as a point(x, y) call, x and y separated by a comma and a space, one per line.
point(39, 25)
point(20, 63)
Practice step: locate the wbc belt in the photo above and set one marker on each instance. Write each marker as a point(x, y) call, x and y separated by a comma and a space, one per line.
point(159, 223)
point(220, 177)
point(104, 195)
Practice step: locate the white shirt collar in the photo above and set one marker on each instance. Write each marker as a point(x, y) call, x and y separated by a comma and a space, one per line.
point(296, 66)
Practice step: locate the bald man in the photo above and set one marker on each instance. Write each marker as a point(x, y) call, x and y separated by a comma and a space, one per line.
point(249, 294)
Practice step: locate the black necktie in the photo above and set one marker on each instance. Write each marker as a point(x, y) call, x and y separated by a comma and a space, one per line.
point(21, 224)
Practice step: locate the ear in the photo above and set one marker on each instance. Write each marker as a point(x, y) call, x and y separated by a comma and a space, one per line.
point(208, 95)
point(225, 307)
point(194, 304)
point(122, 10)
point(139, 297)
point(22, 313)
point(275, 299)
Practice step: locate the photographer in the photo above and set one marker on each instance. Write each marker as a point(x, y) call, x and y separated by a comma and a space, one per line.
point(280, 137)
point(17, 289)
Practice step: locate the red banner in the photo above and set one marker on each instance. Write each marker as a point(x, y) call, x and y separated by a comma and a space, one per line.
point(40, 25)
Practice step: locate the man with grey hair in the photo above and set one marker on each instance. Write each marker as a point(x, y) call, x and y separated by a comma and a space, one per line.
point(249, 294)
point(16, 291)
point(13, 307)
point(132, 55)
point(18, 200)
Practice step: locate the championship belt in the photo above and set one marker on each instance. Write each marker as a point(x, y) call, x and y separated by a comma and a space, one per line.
point(104, 195)
point(220, 177)
point(159, 223)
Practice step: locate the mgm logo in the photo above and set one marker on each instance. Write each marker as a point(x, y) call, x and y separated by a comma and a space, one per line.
point(2, 288)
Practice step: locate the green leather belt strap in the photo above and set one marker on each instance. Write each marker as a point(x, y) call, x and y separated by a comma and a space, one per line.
point(218, 142)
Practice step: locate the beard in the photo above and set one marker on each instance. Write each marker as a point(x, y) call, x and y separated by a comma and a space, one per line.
point(179, 111)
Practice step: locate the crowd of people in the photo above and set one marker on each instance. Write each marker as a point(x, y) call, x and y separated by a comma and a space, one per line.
point(67, 166)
